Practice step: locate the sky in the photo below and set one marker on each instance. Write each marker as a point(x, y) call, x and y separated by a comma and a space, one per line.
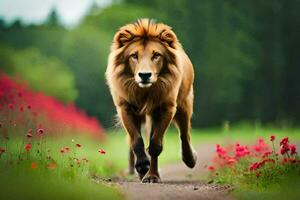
point(36, 11)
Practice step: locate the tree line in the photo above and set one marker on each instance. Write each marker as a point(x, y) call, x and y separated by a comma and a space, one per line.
point(245, 55)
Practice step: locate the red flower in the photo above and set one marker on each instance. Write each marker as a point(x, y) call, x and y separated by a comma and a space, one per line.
point(285, 160)
point(2, 150)
point(21, 109)
point(260, 146)
point(67, 149)
point(284, 141)
point(78, 145)
point(293, 149)
point(266, 154)
point(254, 166)
point(292, 160)
point(272, 138)
point(270, 160)
point(258, 174)
point(102, 151)
point(11, 106)
point(211, 168)
point(284, 149)
point(34, 165)
point(29, 107)
point(62, 150)
point(28, 147)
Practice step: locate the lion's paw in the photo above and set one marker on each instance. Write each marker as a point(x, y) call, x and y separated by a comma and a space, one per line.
point(151, 178)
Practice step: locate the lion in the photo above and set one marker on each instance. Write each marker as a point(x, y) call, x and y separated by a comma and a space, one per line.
point(150, 78)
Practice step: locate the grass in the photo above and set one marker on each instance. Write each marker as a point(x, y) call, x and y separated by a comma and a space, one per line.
point(21, 181)
point(272, 180)
point(35, 185)
point(44, 172)
point(288, 188)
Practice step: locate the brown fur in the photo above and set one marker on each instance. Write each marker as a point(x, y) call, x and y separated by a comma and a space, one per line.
point(148, 46)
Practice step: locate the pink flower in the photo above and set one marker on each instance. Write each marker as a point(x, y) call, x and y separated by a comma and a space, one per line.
point(230, 160)
point(260, 146)
point(40, 131)
point(241, 151)
point(220, 151)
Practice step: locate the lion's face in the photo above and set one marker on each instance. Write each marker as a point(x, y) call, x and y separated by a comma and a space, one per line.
point(146, 61)
point(143, 54)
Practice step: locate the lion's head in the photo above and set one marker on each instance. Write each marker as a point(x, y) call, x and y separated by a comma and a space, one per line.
point(145, 49)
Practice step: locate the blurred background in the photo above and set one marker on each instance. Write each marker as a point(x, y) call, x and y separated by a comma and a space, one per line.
point(245, 53)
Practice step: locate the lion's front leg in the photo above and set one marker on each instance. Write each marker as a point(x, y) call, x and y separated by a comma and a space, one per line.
point(132, 124)
point(161, 119)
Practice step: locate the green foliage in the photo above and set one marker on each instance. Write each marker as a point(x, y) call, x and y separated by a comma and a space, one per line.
point(245, 54)
point(49, 75)
point(111, 18)
point(287, 189)
point(85, 50)
point(53, 18)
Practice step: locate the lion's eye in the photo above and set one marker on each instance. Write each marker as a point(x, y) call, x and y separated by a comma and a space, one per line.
point(156, 57)
point(134, 56)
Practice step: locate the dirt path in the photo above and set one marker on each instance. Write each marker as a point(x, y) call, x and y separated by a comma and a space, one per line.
point(178, 182)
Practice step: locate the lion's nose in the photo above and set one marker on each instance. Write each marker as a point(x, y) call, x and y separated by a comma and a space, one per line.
point(145, 76)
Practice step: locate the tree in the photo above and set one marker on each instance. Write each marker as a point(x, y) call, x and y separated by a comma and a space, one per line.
point(53, 18)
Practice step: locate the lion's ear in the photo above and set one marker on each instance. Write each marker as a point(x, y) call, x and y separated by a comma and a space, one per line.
point(169, 37)
point(122, 37)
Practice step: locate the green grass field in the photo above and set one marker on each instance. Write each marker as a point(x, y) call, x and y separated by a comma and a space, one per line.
point(75, 182)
